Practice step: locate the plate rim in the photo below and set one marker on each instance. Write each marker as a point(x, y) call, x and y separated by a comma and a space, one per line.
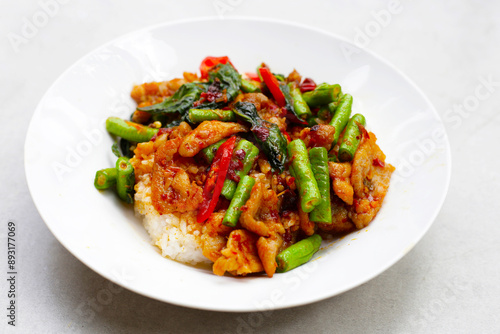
point(417, 238)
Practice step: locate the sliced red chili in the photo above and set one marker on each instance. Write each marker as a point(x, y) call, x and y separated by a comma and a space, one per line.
point(378, 162)
point(253, 76)
point(215, 179)
point(273, 85)
point(307, 85)
point(210, 62)
point(287, 136)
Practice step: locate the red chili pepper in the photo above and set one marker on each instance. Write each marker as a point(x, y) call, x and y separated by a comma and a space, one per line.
point(273, 85)
point(253, 76)
point(378, 162)
point(215, 179)
point(307, 85)
point(209, 62)
point(287, 136)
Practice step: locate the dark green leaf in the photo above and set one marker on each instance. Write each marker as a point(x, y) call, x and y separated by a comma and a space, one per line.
point(267, 135)
point(229, 78)
point(173, 110)
point(125, 148)
point(288, 98)
point(180, 102)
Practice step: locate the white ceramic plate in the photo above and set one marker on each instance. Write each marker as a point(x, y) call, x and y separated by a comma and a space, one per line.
point(67, 143)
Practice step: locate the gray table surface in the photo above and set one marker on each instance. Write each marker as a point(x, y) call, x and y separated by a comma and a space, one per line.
point(447, 284)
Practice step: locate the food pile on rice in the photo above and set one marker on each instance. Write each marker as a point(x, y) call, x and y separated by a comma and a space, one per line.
point(249, 173)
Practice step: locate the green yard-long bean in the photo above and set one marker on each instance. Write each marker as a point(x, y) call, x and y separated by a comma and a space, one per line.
point(125, 180)
point(129, 130)
point(200, 115)
point(304, 177)
point(298, 254)
point(105, 178)
point(251, 153)
point(341, 116)
point(322, 213)
point(300, 106)
point(351, 138)
point(321, 95)
point(241, 196)
point(248, 86)
point(208, 153)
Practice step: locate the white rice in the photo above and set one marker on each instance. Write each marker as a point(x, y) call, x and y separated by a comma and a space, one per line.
point(177, 235)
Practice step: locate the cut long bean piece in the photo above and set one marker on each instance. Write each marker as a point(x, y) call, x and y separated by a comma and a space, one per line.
point(322, 213)
point(200, 115)
point(300, 106)
point(105, 178)
point(341, 116)
point(125, 180)
point(304, 177)
point(321, 95)
point(129, 130)
point(208, 153)
point(351, 138)
point(250, 154)
point(241, 196)
point(333, 105)
point(249, 87)
point(298, 253)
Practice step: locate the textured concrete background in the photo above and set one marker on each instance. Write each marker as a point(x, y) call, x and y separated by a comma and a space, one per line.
point(447, 284)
